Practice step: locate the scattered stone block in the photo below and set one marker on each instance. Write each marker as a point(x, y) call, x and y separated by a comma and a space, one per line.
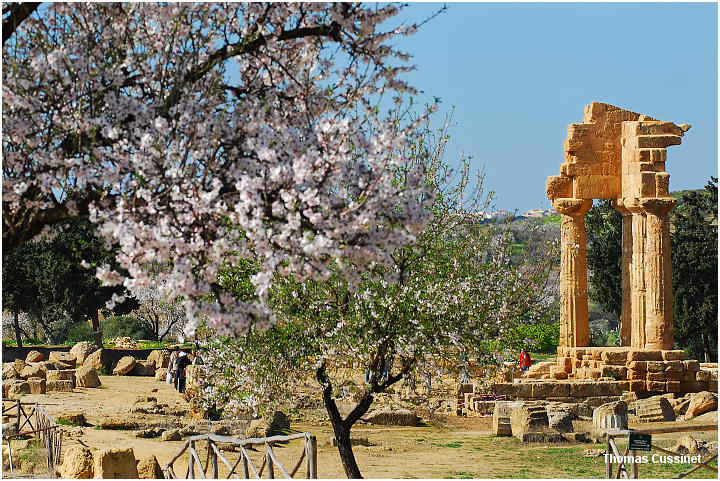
point(19, 365)
point(77, 463)
point(161, 374)
point(124, 366)
point(37, 386)
point(59, 386)
point(401, 417)
point(701, 403)
point(115, 423)
point(576, 437)
point(149, 468)
point(76, 418)
point(501, 417)
point(559, 419)
point(9, 372)
point(529, 417)
point(541, 437)
point(115, 463)
point(160, 358)
point(65, 375)
point(34, 371)
point(87, 376)
point(644, 355)
point(62, 359)
point(654, 409)
point(99, 359)
point(172, 435)
point(82, 350)
point(703, 376)
point(143, 368)
point(17, 388)
point(34, 356)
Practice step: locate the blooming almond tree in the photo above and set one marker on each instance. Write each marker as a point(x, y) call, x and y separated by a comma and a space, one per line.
point(442, 299)
point(202, 135)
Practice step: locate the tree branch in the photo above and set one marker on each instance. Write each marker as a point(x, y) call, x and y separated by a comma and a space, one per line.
point(19, 12)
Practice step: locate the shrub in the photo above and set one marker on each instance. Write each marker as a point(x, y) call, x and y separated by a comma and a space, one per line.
point(124, 326)
point(540, 338)
point(82, 331)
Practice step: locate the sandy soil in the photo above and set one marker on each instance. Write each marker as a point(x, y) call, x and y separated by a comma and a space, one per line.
point(453, 448)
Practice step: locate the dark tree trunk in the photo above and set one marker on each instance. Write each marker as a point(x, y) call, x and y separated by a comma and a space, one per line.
point(95, 319)
point(706, 347)
point(18, 335)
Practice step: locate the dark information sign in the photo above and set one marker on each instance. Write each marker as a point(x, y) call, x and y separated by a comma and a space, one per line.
point(640, 442)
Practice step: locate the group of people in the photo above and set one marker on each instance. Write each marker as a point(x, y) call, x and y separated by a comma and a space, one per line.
point(177, 373)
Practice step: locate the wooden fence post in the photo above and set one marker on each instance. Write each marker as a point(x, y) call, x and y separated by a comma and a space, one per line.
point(313, 457)
point(634, 466)
point(608, 458)
point(191, 465)
point(269, 461)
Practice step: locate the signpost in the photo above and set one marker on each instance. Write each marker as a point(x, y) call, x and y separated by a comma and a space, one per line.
point(639, 442)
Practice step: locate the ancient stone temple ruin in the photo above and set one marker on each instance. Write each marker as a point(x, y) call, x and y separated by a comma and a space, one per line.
point(619, 155)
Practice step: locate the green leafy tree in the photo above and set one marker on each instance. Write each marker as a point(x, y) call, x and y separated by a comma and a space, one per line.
point(695, 274)
point(55, 284)
point(604, 256)
point(452, 292)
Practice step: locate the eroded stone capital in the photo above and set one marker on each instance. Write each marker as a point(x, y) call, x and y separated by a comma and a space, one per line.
point(619, 205)
point(659, 207)
point(572, 207)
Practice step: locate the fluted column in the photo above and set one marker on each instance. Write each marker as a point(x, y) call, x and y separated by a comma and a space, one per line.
point(574, 321)
point(637, 274)
point(625, 328)
point(658, 274)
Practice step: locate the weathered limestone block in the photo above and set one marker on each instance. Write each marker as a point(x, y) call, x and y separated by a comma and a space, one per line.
point(142, 368)
point(692, 365)
point(59, 386)
point(656, 386)
point(34, 356)
point(559, 418)
point(653, 409)
point(528, 417)
point(610, 416)
point(124, 366)
point(673, 386)
point(77, 463)
point(9, 372)
point(37, 386)
point(673, 375)
point(34, 371)
point(115, 423)
point(17, 388)
point(674, 366)
point(644, 355)
point(160, 358)
point(64, 375)
point(87, 376)
point(544, 390)
point(614, 371)
point(700, 403)
point(501, 417)
point(636, 386)
point(401, 417)
point(149, 468)
point(161, 373)
point(673, 355)
point(115, 464)
point(615, 356)
point(62, 359)
point(99, 359)
point(703, 376)
point(82, 350)
point(20, 365)
point(656, 376)
point(655, 366)
point(519, 390)
point(598, 388)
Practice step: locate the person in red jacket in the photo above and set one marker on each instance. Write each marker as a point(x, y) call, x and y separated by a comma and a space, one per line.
point(525, 361)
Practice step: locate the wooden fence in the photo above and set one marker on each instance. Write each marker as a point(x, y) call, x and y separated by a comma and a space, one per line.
point(215, 455)
point(613, 450)
point(39, 424)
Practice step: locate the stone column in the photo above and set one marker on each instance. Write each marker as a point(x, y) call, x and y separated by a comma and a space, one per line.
point(658, 274)
point(625, 328)
point(637, 273)
point(574, 321)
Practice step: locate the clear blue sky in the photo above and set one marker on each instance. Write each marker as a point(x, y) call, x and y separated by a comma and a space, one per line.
point(519, 73)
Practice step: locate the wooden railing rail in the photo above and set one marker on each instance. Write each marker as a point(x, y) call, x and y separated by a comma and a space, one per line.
point(612, 449)
point(45, 429)
point(270, 461)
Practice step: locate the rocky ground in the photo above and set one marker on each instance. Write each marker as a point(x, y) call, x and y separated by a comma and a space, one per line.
point(441, 446)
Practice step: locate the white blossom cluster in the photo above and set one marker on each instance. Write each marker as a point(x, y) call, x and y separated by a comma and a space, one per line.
point(199, 135)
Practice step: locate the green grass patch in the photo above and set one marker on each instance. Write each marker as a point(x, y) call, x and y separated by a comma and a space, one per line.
point(454, 444)
point(462, 475)
point(552, 219)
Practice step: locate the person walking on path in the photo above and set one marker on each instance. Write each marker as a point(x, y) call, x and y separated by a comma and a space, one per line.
point(182, 362)
point(525, 361)
point(170, 379)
